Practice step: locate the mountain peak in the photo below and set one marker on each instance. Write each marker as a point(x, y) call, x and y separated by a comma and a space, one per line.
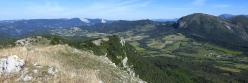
point(213, 28)
point(197, 19)
point(200, 15)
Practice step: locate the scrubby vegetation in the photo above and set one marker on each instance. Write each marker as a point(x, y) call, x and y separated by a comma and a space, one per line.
point(192, 61)
point(186, 66)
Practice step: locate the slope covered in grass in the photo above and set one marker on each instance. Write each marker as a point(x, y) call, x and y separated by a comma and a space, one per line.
point(62, 63)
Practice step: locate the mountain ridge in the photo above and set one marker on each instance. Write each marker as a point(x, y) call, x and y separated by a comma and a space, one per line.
point(213, 28)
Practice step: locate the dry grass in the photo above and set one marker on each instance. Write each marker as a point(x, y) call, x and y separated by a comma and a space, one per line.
point(74, 66)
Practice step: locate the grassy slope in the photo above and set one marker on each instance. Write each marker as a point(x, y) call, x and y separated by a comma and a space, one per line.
point(73, 65)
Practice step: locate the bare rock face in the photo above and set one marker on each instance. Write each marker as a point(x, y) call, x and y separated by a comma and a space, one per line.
point(11, 64)
point(100, 41)
point(97, 42)
point(122, 41)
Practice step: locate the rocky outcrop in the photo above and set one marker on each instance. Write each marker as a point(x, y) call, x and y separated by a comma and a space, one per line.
point(10, 65)
point(15, 67)
point(122, 41)
point(31, 41)
point(98, 42)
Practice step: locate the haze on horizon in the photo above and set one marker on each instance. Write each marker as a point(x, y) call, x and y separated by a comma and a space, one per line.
point(117, 9)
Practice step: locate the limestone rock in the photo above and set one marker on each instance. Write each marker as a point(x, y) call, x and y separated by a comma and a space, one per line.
point(11, 64)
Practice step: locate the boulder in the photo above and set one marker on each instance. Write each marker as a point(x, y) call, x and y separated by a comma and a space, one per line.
point(11, 64)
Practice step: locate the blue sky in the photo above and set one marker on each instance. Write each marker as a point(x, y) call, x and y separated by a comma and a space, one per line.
point(117, 9)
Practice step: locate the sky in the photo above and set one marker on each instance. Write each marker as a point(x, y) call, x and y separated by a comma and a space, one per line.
point(117, 9)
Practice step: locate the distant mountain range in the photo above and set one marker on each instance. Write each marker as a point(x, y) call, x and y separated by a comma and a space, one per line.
point(228, 16)
point(197, 48)
point(217, 28)
point(165, 20)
